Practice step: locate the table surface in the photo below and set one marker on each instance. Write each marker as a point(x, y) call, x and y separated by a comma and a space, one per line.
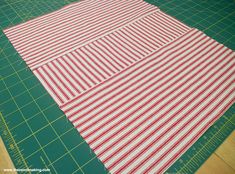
point(222, 161)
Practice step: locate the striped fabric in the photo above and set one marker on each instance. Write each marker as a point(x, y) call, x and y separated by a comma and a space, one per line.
point(50, 36)
point(139, 86)
point(68, 75)
point(141, 120)
point(75, 72)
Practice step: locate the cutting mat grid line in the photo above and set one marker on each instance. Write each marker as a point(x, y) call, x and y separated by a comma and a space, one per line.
point(40, 130)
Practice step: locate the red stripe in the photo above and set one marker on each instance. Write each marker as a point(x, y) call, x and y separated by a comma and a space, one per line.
point(66, 78)
point(147, 95)
point(94, 67)
point(120, 34)
point(129, 43)
point(54, 82)
point(51, 88)
point(163, 25)
point(173, 26)
point(78, 59)
point(114, 50)
point(188, 132)
point(61, 81)
point(170, 19)
point(140, 80)
point(125, 135)
point(68, 45)
point(155, 35)
point(108, 59)
point(104, 50)
point(89, 49)
point(169, 93)
point(125, 55)
point(149, 61)
point(146, 39)
point(135, 58)
point(74, 78)
point(161, 135)
point(131, 32)
point(77, 73)
point(173, 158)
point(96, 17)
point(74, 14)
point(156, 27)
point(48, 17)
point(178, 121)
point(152, 39)
point(134, 40)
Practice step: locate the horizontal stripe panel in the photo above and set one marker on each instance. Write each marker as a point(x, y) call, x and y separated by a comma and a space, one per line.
point(73, 27)
point(95, 62)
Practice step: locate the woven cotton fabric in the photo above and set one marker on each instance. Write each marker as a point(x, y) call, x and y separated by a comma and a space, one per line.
point(140, 86)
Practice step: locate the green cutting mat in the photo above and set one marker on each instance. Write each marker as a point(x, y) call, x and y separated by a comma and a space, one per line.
point(37, 133)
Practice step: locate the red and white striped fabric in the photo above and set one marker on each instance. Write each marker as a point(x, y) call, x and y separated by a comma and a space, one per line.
point(150, 84)
point(50, 36)
point(141, 120)
point(73, 71)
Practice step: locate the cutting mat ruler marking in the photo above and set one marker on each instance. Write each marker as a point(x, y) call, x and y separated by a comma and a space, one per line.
point(206, 145)
point(31, 124)
point(16, 154)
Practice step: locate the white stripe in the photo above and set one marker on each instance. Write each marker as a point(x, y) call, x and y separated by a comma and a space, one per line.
point(125, 53)
point(71, 80)
point(131, 155)
point(145, 83)
point(123, 123)
point(163, 24)
point(155, 26)
point(92, 61)
point(74, 27)
point(185, 130)
point(86, 32)
point(154, 35)
point(127, 44)
point(42, 80)
point(48, 17)
point(99, 50)
point(61, 60)
point(113, 51)
point(66, 15)
point(57, 81)
point(46, 78)
point(126, 74)
point(109, 64)
point(81, 67)
point(139, 104)
point(64, 51)
point(62, 78)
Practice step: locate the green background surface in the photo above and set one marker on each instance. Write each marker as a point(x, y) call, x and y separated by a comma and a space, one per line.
point(37, 133)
